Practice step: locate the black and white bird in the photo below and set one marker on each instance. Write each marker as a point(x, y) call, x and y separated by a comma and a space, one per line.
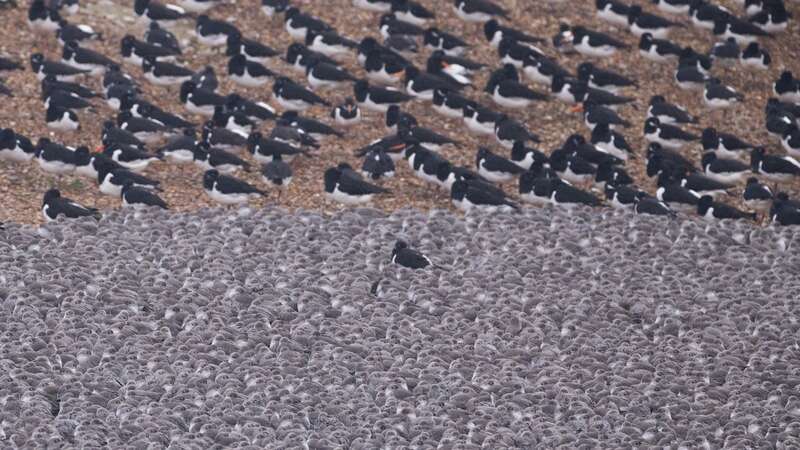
point(87, 164)
point(179, 148)
point(755, 56)
point(613, 174)
point(785, 211)
point(112, 179)
point(381, 6)
point(436, 39)
point(412, 12)
point(467, 196)
point(146, 130)
point(791, 140)
point(160, 36)
point(256, 111)
point(710, 209)
point(138, 197)
point(424, 163)
point(395, 117)
point(449, 103)
point(571, 167)
point(112, 134)
point(61, 119)
point(647, 204)
point(348, 188)
point(525, 157)
point(613, 12)
point(508, 131)
point(271, 7)
point(658, 50)
point(595, 114)
point(668, 135)
point(716, 95)
point(773, 167)
point(42, 18)
point(480, 119)
point(228, 190)
point(676, 196)
point(516, 53)
point(277, 173)
point(313, 127)
point(727, 51)
point(54, 205)
point(212, 32)
point(14, 147)
point(690, 78)
point(299, 25)
point(611, 142)
point(478, 10)
point(293, 96)
point(248, 73)
point(68, 32)
point(508, 92)
point(724, 170)
point(543, 70)
point(163, 13)
point(495, 33)
point(594, 43)
point(325, 75)
point(377, 164)
point(673, 6)
point(725, 145)
point(565, 195)
point(201, 101)
point(773, 18)
point(641, 22)
point(667, 112)
point(405, 256)
point(265, 150)
point(701, 62)
point(61, 71)
point(731, 26)
point(55, 158)
point(128, 157)
point(222, 137)
point(621, 196)
point(787, 87)
point(251, 49)
point(134, 51)
point(421, 84)
point(165, 73)
point(347, 114)
point(329, 43)
point(376, 98)
point(198, 6)
point(603, 79)
point(495, 168)
point(756, 195)
point(207, 158)
point(424, 136)
point(704, 14)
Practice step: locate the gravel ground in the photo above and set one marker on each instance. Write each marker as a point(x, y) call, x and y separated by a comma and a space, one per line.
point(257, 329)
point(22, 187)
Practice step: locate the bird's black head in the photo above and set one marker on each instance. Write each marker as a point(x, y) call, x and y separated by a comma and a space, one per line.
point(126, 44)
point(704, 203)
point(757, 155)
point(233, 42)
point(36, 61)
point(432, 36)
point(280, 83)
point(786, 76)
point(236, 64)
point(633, 12)
point(360, 89)
point(720, 24)
point(82, 155)
point(651, 124)
point(708, 158)
point(187, 87)
point(489, 29)
point(585, 70)
point(148, 63)
point(458, 190)
point(709, 138)
point(123, 116)
point(782, 196)
point(51, 195)
point(209, 177)
point(574, 141)
point(139, 6)
point(331, 178)
point(7, 138)
point(291, 12)
point(202, 19)
point(752, 180)
point(656, 99)
point(483, 152)
point(505, 44)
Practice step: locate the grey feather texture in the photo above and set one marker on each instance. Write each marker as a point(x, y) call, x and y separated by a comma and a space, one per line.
point(257, 329)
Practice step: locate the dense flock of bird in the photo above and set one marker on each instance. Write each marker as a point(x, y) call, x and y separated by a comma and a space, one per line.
point(567, 176)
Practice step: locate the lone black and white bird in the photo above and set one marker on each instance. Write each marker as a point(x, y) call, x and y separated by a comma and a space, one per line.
point(710, 209)
point(412, 12)
point(348, 188)
point(313, 127)
point(228, 190)
point(271, 7)
point(207, 158)
point(329, 43)
point(265, 150)
point(495, 33)
point(731, 26)
point(62, 71)
point(112, 179)
point(131, 158)
point(603, 79)
point(787, 87)
point(676, 196)
point(449, 103)
point(179, 148)
point(727, 51)
point(139, 197)
point(377, 164)
point(405, 256)
point(299, 25)
point(613, 12)
point(508, 131)
point(611, 142)
point(68, 32)
point(42, 18)
point(325, 75)
point(755, 56)
point(673, 6)
point(647, 204)
point(54, 205)
point(641, 22)
point(212, 32)
point(156, 35)
point(593, 43)
point(421, 84)
point(201, 101)
point(256, 111)
point(222, 137)
point(595, 114)
point(135, 51)
point(495, 168)
point(251, 49)
point(61, 119)
point(396, 117)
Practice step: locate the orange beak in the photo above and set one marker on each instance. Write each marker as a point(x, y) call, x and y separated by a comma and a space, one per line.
point(577, 108)
point(99, 148)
